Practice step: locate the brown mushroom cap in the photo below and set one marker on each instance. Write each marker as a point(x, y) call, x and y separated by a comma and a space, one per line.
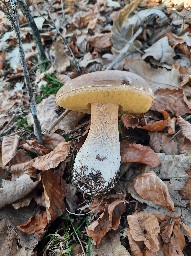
point(131, 92)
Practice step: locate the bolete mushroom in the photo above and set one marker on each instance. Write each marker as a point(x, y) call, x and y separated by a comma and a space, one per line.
point(102, 94)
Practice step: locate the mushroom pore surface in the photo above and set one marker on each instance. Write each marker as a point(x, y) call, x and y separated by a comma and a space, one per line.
point(103, 93)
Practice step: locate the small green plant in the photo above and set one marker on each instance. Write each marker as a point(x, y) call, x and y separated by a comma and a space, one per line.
point(22, 123)
point(52, 87)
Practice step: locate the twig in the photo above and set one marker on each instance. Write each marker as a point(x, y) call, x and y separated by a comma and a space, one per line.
point(125, 49)
point(76, 128)
point(12, 15)
point(26, 11)
point(57, 121)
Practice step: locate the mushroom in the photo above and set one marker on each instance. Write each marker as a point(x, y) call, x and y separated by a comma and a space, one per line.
point(103, 94)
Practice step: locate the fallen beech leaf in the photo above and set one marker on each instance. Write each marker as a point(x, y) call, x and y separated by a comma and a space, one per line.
point(186, 228)
point(12, 191)
point(176, 242)
point(110, 246)
point(111, 209)
point(35, 224)
point(99, 228)
point(54, 192)
point(185, 192)
point(9, 148)
point(150, 187)
point(144, 227)
point(135, 250)
point(158, 126)
point(161, 51)
point(52, 159)
point(100, 41)
point(130, 121)
point(178, 42)
point(115, 210)
point(163, 143)
point(170, 100)
point(137, 153)
point(34, 147)
point(185, 127)
point(157, 77)
point(51, 141)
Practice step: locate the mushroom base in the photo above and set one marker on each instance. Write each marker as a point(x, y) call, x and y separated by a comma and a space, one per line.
point(98, 161)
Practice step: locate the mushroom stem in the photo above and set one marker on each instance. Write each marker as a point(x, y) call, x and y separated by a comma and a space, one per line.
point(98, 160)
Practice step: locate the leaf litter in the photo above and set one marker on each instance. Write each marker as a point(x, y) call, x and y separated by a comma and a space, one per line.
point(36, 180)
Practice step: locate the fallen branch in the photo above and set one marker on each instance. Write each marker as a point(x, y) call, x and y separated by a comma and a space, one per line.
point(12, 14)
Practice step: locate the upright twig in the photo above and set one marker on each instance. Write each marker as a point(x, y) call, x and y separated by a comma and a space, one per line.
point(13, 16)
point(26, 11)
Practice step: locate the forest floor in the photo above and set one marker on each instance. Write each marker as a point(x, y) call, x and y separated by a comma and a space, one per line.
point(148, 211)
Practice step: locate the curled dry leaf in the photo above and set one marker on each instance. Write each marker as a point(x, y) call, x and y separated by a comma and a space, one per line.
point(52, 159)
point(150, 187)
point(99, 228)
point(185, 127)
point(110, 245)
point(12, 191)
point(135, 250)
point(51, 141)
point(144, 227)
point(34, 147)
point(157, 78)
point(139, 122)
point(163, 143)
point(171, 100)
point(137, 153)
point(2, 60)
point(35, 224)
point(54, 192)
point(100, 41)
point(108, 220)
point(9, 148)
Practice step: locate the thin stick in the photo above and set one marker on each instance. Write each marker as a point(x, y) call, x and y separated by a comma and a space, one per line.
point(14, 19)
point(26, 11)
point(125, 49)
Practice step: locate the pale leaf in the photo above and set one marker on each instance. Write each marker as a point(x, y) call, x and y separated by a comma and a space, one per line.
point(185, 127)
point(12, 191)
point(9, 148)
point(161, 51)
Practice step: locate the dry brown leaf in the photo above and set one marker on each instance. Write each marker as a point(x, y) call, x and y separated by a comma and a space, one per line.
point(34, 147)
point(176, 242)
point(35, 224)
point(111, 209)
point(135, 250)
point(52, 141)
point(157, 77)
point(110, 246)
point(150, 187)
point(178, 42)
point(61, 60)
point(170, 100)
point(158, 126)
point(115, 210)
point(100, 41)
point(185, 192)
point(144, 227)
point(12, 191)
point(163, 143)
point(99, 228)
point(186, 228)
point(137, 153)
point(52, 159)
point(54, 192)
point(185, 127)
point(9, 148)
point(2, 60)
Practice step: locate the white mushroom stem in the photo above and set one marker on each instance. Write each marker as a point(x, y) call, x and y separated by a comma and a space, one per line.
point(100, 154)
